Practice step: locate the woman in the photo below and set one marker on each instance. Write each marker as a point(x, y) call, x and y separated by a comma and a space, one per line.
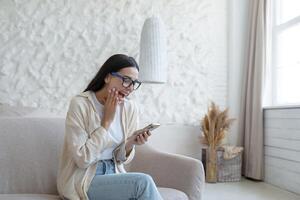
point(99, 138)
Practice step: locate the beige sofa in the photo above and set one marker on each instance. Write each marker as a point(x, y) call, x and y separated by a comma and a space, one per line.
point(29, 151)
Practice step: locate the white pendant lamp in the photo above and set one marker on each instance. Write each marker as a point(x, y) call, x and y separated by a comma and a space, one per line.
point(153, 52)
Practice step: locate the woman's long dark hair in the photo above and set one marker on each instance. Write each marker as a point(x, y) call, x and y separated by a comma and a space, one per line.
point(113, 64)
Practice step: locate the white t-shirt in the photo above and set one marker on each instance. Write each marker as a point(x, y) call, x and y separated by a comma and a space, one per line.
point(115, 130)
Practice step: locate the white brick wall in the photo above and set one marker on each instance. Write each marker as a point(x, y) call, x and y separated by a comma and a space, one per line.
point(50, 50)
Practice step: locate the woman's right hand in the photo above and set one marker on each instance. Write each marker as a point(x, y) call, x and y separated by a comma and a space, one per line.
point(110, 107)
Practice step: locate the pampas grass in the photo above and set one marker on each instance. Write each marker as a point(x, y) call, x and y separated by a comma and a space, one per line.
point(215, 124)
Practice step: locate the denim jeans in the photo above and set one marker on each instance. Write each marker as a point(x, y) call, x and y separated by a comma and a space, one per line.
point(108, 185)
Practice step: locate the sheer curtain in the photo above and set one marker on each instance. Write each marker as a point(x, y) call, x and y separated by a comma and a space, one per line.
point(251, 117)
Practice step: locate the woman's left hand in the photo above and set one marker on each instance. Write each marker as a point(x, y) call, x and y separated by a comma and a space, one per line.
point(142, 138)
point(138, 139)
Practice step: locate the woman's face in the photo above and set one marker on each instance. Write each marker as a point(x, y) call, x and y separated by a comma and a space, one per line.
point(116, 81)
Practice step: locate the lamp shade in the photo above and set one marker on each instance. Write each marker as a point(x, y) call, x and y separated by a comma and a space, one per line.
point(153, 52)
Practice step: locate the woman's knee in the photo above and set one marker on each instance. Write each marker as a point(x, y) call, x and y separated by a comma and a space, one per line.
point(142, 178)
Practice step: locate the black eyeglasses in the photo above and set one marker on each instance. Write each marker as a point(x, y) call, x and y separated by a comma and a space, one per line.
point(127, 81)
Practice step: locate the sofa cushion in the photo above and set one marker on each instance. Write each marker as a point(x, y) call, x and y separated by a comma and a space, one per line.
point(172, 194)
point(166, 193)
point(28, 197)
point(29, 152)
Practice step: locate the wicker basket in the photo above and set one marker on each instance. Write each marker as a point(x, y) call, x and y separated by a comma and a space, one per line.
point(229, 170)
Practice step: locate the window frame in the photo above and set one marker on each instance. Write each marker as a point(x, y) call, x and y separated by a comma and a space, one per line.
point(274, 29)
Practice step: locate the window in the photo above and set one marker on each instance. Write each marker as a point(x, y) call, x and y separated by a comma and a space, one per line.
point(284, 52)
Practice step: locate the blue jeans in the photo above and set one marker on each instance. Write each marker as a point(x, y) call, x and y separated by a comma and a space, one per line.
point(108, 185)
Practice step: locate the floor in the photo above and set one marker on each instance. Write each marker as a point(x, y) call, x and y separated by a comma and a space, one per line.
point(246, 190)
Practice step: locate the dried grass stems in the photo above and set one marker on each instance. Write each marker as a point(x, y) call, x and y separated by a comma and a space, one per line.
point(215, 125)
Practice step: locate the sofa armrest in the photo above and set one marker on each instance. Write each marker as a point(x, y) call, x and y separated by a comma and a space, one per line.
point(170, 170)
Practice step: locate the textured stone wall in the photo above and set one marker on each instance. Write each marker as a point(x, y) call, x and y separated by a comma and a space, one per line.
point(50, 50)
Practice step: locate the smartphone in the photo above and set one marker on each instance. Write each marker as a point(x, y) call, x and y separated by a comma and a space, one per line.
point(150, 127)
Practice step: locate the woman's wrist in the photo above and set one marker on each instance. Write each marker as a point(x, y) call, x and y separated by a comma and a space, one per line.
point(128, 146)
point(105, 124)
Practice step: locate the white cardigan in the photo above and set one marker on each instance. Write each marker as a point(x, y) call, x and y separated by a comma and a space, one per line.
point(84, 141)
